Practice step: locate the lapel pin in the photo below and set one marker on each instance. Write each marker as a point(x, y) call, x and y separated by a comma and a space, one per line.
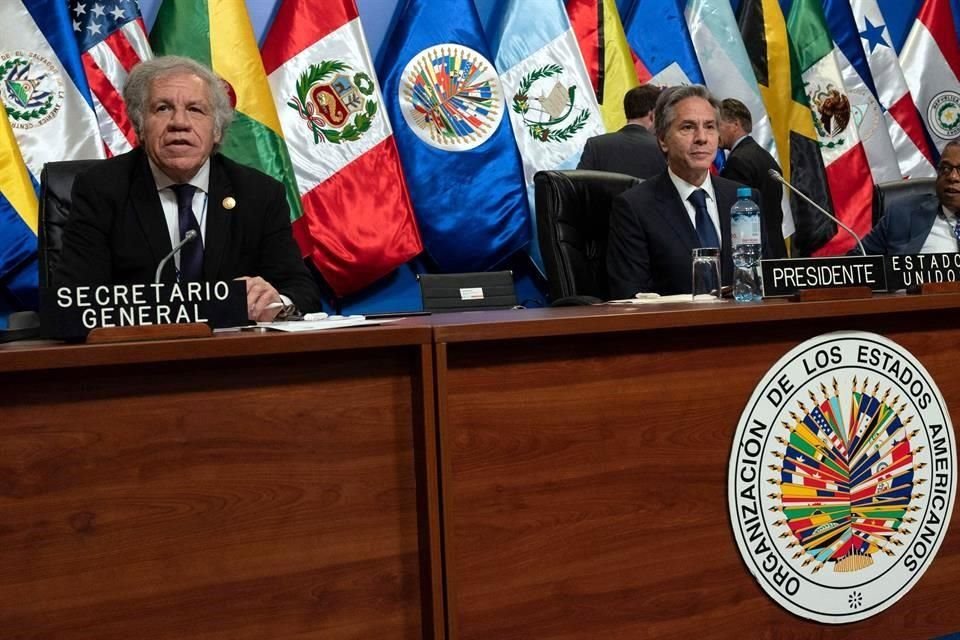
point(229, 203)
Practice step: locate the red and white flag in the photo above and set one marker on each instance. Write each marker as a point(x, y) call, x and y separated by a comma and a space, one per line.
point(358, 222)
point(112, 41)
point(931, 64)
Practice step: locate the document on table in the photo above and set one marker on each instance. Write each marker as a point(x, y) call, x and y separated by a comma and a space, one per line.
point(309, 323)
point(653, 298)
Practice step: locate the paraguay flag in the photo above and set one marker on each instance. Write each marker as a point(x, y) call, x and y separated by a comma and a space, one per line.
point(931, 64)
point(447, 106)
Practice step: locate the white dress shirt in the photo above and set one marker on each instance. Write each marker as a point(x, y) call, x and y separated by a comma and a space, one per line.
point(941, 238)
point(684, 188)
point(171, 210)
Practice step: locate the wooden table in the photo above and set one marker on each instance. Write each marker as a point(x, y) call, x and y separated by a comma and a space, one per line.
point(584, 457)
point(243, 486)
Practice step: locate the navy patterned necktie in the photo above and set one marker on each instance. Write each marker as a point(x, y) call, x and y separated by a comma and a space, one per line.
point(706, 231)
point(956, 231)
point(191, 255)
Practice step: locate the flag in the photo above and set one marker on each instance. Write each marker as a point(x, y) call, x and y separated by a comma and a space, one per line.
point(764, 33)
point(657, 33)
point(873, 125)
point(446, 103)
point(18, 223)
point(218, 33)
point(931, 64)
point(112, 40)
point(44, 90)
point(607, 56)
point(357, 224)
point(728, 73)
point(552, 107)
point(847, 169)
point(915, 157)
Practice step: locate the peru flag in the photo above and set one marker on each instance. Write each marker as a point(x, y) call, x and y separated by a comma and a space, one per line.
point(931, 63)
point(357, 224)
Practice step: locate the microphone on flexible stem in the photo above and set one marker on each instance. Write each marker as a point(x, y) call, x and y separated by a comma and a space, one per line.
point(779, 178)
point(188, 237)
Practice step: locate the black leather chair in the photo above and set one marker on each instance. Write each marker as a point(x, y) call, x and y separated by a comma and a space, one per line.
point(56, 185)
point(899, 194)
point(573, 213)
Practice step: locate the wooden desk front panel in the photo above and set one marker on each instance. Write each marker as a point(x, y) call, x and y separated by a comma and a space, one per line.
point(257, 497)
point(585, 486)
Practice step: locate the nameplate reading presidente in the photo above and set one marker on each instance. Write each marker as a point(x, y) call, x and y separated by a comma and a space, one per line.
point(785, 277)
point(842, 476)
point(70, 312)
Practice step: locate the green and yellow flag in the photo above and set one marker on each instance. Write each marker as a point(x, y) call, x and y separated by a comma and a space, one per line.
point(218, 34)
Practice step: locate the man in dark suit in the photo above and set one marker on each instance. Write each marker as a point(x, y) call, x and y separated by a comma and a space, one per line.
point(129, 211)
point(932, 226)
point(655, 225)
point(750, 164)
point(632, 150)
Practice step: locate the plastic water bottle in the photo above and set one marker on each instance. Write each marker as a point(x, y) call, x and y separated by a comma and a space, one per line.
point(745, 240)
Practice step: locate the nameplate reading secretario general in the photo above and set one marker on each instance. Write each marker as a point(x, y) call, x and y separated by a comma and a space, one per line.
point(905, 272)
point(788, 276)
point(70, 312)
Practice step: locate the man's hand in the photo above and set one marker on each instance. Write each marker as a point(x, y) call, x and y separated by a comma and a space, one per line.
point(261, 293)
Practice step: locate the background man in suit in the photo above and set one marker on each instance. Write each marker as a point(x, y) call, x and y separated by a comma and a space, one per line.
point(750, 164)
point(129, 211)
point(655, 225)
point(931, 226)
point(632, 150)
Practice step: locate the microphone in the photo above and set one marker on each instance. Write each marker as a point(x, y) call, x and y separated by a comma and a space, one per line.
point(779, 178)
point(188, 237)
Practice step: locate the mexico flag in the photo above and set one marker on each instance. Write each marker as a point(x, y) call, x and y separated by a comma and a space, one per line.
point(848, 172)
point(358, 223)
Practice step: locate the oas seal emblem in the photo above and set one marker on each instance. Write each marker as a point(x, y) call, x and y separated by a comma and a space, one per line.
point(451, 98)
point(336, 104)
point(842, 477)
point(943, 114)
point(549, 116)
point(32, 88)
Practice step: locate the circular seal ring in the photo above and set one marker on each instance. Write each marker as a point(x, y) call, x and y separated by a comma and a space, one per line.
point(451, 97)
point(842, 477)
point(943, 114)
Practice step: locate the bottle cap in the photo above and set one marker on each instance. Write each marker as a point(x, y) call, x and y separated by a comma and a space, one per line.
point(744, 192)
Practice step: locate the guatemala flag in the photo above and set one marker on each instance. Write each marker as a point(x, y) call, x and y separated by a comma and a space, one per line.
point(552, 106)
point(447, 106)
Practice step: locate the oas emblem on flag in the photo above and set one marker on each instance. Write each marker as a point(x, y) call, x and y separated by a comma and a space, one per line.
point(450, 97)
point(943, 114)
point(554, 104)
point(32, 88)
point(831, 109)
point(337, 105)
point(842, 476)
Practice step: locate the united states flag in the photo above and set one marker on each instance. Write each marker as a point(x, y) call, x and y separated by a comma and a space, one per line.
point(112, 39)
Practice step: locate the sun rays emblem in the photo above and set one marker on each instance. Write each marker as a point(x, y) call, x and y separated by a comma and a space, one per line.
point(842, 476)
point(451, 97)
point(846, 481)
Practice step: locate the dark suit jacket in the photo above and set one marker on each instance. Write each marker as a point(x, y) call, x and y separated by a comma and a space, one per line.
point(652, 237)
point(633, 150)
point(116, 232)
point(902, 231)
point(749, 163)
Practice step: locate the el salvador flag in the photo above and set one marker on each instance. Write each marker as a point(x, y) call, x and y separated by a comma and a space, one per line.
point(551, 103)
point(447, 107)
